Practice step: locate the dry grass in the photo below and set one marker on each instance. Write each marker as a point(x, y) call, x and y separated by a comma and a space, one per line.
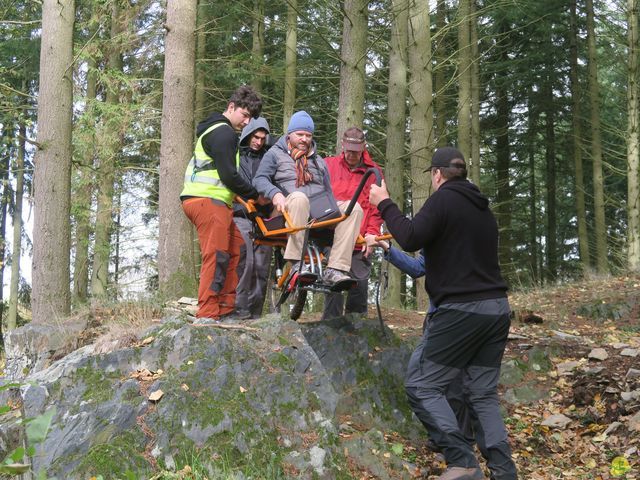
point(110, 326)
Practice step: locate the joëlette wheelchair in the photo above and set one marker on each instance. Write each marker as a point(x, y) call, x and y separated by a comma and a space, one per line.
point(318, 238)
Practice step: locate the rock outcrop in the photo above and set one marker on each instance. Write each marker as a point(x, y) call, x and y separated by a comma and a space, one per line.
point(271, 399)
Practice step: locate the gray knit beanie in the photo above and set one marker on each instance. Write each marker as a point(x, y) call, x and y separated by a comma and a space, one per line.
point(301, 121)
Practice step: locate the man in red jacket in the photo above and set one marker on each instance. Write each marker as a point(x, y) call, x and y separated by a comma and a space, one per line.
point(346, 171)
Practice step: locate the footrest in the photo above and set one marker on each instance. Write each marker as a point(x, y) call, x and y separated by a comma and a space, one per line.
point(343, 285)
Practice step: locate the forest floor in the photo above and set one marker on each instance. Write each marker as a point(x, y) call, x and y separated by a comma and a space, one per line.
point(565, 323)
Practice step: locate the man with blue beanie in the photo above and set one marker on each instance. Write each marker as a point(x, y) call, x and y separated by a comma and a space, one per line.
point(291, 174)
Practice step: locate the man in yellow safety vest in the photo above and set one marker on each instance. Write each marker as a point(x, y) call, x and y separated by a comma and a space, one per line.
point(210, 183)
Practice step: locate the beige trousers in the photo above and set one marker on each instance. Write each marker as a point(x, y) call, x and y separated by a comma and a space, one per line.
point(344, 237)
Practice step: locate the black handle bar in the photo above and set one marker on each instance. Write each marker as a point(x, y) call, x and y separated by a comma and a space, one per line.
point(358, 191)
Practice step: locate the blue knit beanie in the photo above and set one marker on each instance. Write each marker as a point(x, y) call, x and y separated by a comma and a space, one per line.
point(301, 121)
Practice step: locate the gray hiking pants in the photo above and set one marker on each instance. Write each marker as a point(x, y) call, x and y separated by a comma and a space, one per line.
point(334, 304)
point(468, 340)
point(252, 282)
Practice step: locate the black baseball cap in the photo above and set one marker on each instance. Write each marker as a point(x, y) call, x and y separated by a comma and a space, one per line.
point(443, 157)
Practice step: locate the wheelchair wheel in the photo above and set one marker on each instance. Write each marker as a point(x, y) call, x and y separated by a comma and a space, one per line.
point(299, 298)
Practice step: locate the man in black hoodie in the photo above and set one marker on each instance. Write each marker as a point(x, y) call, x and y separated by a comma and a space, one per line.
point(252, 285)
point(468, 332)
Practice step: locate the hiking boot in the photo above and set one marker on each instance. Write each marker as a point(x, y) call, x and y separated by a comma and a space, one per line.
point(234, 317)
point(431, 445)
point(461, 473)
point(241, 314)
point(304, 272)
point(332, 276)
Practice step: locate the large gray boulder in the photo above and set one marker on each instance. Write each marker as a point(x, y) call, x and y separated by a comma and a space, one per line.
point(237, 402)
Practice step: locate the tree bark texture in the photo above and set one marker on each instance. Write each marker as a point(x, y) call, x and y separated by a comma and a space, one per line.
point(633, 149)
point(201, 55)
point(52, 176)
point(439, 80)
point(420, 111)
point(18, 169)
point(257, 45)
point(176, 268)
point(5, 168)
point(474, 154)
point(550, 157)
point(396, 128)
point(576, 101)
point(504, 195)
point(600, 227)
point(111, 132)
point(533, 225)
point(291, 62)
point(82, 195)
point(353, 59)
point(464, 78)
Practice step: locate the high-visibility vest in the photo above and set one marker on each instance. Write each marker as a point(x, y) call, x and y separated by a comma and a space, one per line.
point(201, 177)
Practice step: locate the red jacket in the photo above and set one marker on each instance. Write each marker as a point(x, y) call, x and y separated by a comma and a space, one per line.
point(344, 183)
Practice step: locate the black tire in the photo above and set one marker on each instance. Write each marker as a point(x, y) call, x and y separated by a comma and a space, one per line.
point(277, 298)
point(300, 297)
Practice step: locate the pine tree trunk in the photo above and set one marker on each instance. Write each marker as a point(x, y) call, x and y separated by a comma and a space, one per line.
point(353, 57)
point(581, 211)
point(52, 176)
point(111, 132)
point(82, 196)
point(535, 253)
point(257, 46)
point(396, 127)
point(12, 315)
point(175, 247)
point(550, 157)
point(421, 112)
point(475, 98)
point(5, 167)
point(201, 54)
point(464, 78)
point(533, 209)
point(600, 228)
point(117, 231)
point(503, 163)
point(439, 79)
point(633, 149)
point(290, 62)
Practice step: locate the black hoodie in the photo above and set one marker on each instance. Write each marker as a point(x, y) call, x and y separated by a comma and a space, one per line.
point(459, 235)
point(222, 144)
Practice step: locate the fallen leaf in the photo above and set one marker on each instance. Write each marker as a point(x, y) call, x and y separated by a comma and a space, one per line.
point(156, 396)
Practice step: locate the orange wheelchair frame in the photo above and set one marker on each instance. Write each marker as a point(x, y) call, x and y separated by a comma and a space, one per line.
point(274, 232)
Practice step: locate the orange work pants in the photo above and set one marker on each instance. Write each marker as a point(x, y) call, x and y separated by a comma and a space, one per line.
point(220, 246)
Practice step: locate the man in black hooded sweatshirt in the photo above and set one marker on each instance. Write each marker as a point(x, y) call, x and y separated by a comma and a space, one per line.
point(468, 332)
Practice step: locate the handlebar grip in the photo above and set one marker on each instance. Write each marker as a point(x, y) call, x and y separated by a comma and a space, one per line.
point(363, 181)
point(378, 175)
